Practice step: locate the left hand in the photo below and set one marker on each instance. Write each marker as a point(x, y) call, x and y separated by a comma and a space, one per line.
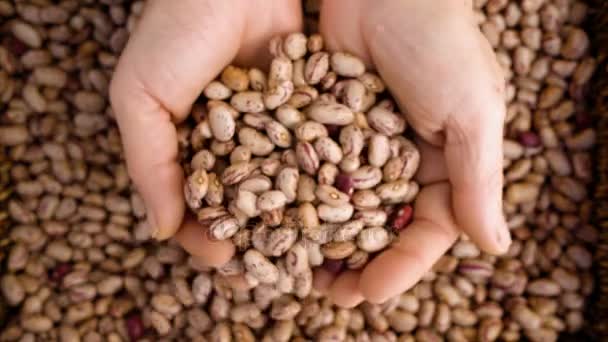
point(445, 78)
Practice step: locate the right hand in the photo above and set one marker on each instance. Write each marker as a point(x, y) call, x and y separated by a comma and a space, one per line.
point(177, 48)
point(444, 76)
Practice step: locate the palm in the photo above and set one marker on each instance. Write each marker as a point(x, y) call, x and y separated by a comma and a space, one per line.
point(176, 49)
point(447, 83)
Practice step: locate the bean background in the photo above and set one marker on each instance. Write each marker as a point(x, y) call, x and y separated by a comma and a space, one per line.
point(81, 265)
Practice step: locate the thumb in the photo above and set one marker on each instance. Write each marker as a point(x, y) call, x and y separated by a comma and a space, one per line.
point(473, 153)
point(445, 77)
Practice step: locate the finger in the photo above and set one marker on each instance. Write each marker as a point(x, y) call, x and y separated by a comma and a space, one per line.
point(195, 240)
point(335, 27)
point(473, 154)
point(474, 158)
point(432, 167)
point(418, 247)
point(345, 291)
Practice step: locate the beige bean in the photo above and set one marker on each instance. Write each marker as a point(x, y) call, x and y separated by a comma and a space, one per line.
point(393, 192)
point(26, 33)
point(12, 289)
point(216, 90)
point(336, 214)
point(378, 150)
point(354, 95)
point(248, 102)
point(215, 191)
point(287, 182)
point(307, 157)
point(256, 120)
point(327, 174)
point(257, 79)
point(298, 79)
point(338, 250)
point(256, 184)
point(365, 199)
point(294, 46)
point(303, 283)
point(566, 280)
point(331, 196)
point(208, 214)
point(281, 69)
point(526, 317)
point(33, 97)
point(521, 192)
point(221, 123)
point(366, 177)
point(570, 187)
point(373, 239)
point(372, 82)
point(316, 67)
point(203, 159)
point(195, 188)
point(223, 227)
point(310, 131)
point(543, 287)
point(476, 269)
point(13, 135)
point(259, 267)
point(308, 217)
point(347, 65)
point(371, 217)
point(246, 202)
point(37, 323)
point(244, 312)
point(575, 44)
point(271, 200)
point(235, 78)
point(278, 95)
point(306, 189)
point(258, 143)
point(160, 323)
point(558, 161)
point(465, 249)
point(350, 163)
point(327, 149)
point(580, 256)
point(50, 76)
point(240, 154)
point(296, 260)
point(166, 304)
point(278, 134)
point(352, 140)
point(330, 113)
point(59, 250)
point(303, 96)
point(385, 121)
point(89, 101)
point(289, 116)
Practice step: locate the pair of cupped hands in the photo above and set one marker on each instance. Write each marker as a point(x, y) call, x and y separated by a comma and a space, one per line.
point(436, 63)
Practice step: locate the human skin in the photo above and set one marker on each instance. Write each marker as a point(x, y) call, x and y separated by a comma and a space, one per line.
point(438, 66)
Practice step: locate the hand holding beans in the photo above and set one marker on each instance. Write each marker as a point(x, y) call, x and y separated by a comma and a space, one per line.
point(448, 87)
